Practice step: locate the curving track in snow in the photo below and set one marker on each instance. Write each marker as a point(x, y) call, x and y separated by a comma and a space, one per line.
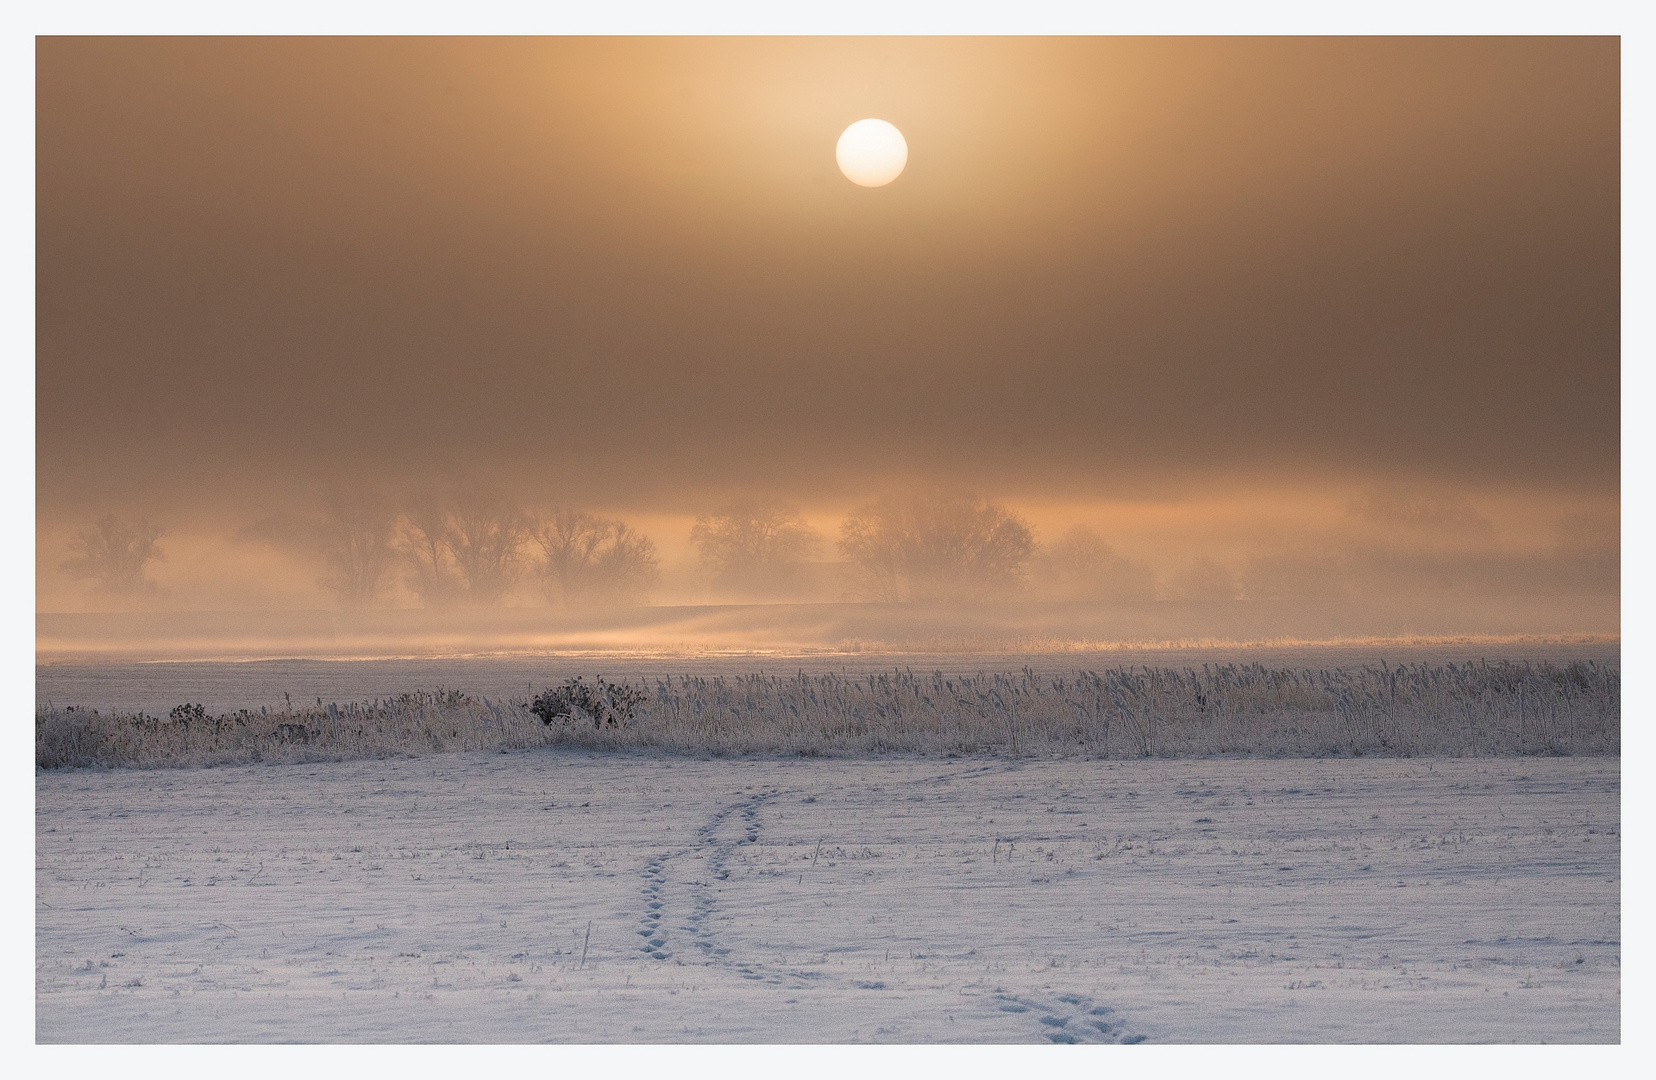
point(449, 899)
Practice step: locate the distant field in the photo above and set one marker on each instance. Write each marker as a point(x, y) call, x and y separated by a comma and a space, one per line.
point(842, 630)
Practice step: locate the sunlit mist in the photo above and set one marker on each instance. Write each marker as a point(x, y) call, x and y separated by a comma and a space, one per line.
point(1323, 330)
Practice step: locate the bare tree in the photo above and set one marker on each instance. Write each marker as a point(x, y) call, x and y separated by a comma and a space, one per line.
point(1082, 566)
point(114, 555)
point(465, 546)
point(875, 540)
point(352, 539)
point(590, 560)
point(938, 547)
point(755, 547)
point(423, 544)
point(627, 566)
point(964, 547)
point(485, 535)
point(570, 542)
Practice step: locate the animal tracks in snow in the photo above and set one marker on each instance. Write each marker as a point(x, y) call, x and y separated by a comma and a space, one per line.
point(678, 892)
point(1069, 1018)
point(681, 892)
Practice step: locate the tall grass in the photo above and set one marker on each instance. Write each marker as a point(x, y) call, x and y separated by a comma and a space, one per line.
point(1447, 710)
point(406, 725)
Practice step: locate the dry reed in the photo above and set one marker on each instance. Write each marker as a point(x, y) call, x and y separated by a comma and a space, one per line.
point(1410, 710)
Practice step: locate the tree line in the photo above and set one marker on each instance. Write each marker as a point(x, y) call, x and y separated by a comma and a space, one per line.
point(472, 546)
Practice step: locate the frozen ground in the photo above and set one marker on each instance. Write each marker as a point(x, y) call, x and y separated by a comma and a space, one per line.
point(449, 899)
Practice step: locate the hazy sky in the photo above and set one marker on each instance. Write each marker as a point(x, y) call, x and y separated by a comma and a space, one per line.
point(628, 272)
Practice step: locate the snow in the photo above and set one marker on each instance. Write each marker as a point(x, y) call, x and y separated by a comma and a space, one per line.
point(449, 899)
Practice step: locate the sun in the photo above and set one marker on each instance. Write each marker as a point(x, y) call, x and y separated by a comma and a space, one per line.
point(871, 153)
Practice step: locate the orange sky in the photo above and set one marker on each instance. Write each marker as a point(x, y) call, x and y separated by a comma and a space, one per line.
point(1119, 277)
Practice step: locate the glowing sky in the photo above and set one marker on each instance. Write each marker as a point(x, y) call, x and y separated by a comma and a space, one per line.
point(628, 273)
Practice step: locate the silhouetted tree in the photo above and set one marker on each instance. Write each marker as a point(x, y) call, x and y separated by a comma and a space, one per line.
point(352, 539)
point(1081, 566)
point(589, 560)
point(875, 541)
point(114, 555)
point(755, 547)
point(939, 547)
point(465, 546)
point(485, 535)
point(423, 544)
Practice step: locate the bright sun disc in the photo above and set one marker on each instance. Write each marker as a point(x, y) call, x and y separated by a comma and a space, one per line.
point(871, 153)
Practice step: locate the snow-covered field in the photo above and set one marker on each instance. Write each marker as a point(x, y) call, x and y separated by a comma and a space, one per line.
point(578, 897)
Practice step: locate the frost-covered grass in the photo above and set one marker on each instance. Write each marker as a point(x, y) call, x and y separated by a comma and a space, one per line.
point(1126, 712)
point(405, 725)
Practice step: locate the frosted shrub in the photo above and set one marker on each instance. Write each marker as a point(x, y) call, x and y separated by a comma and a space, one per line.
point(604, 704)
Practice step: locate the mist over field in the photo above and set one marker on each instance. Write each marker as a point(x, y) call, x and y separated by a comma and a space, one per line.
point(921, 571)
point(587, 325)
